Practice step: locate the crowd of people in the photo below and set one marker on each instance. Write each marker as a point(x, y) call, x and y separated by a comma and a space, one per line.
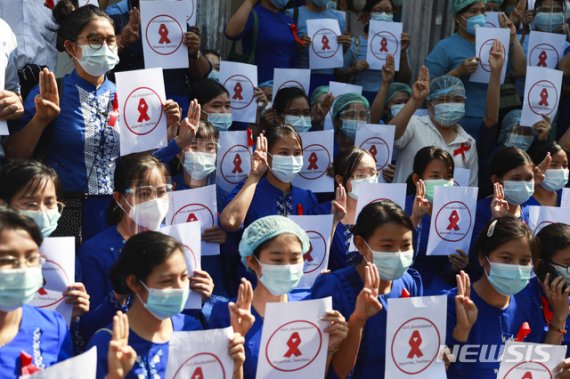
point(62, 174)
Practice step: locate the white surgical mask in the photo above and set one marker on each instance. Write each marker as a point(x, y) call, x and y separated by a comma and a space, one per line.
point(392, 266)
point(98, 62)
point(356, 183)
point(555, 179)
point(165, 303)
point(286, 167)
point(518, 192)
point(18, 286)
point(281, 279)
point(46, 221)
point(199, 165)
point(301, 124)
point(149, 214)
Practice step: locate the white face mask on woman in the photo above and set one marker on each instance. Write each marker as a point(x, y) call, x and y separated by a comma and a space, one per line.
point(97, 62)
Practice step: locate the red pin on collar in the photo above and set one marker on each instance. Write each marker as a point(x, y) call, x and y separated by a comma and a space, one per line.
point(28, 367)
point(523, 332)
point(405, 294)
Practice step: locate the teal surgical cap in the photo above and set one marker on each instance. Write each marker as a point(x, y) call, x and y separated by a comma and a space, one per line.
point(267, 84)
point(459, 5)
point(318, 92)
point(395, 88)
point(343, 101)
point(446, 85)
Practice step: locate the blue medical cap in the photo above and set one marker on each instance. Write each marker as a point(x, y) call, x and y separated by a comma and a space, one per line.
point(446, 85)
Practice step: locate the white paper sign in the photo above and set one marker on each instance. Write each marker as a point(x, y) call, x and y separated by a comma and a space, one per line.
point(316, 260)
point(163, 24)
point(59, 273)
point(240, 79)
point(452, 219)
point(384, 38)
point(415, 332)
point(200, 354)
point(522, 360)
point(337, 89)
point(565, 202)
point(234, 159)
point(198, 204)
point(293, 341)
point(82, 3)
point(541, 216)
point(192, 11)
point(189, 235)
point(82, 366)
point(545, 49)
point(461, 177)
point(484, 38)
point(291, 77)
point(325, 51)
point(143, 122)
point(378, 140)
point(492, 20)
point(542, 94)
point(317, 157)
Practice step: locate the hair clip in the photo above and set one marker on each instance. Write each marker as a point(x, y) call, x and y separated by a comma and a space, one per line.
point(491, 229)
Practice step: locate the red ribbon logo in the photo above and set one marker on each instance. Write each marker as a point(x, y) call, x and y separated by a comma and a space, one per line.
point(543, 97)
point(191, 218)
point(527, 375)
point(465, 147)
point(453, 220)
point(237, 165)
point(415, 343)
point(383, 45)
point(373, 152)
point(325, 42)
point(163, 32)
point(313, 159)
point(197, 374)
point(293, 344)
point(307, 256)
point(237, 92)
point(542, 59)
point(143, 110)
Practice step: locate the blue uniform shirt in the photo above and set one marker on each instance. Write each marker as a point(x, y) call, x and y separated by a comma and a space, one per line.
point(43, 334)
point(344, 286)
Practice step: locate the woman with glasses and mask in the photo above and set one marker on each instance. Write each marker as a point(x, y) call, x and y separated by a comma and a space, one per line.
point(140, 203)
point(348, 111)
point(291, 107)
point(79, 133)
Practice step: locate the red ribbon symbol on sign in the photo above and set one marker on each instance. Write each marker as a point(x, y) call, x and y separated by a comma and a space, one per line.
point(191, 218)
point(198, 374)
point(415, 343)
point(307, 256)
point(293, 343)
point(453, 220)
point(384, 45)
point(237, 165)
point(527, 375)
point(373, 152)
point(143, 110)
point(313, 159)
point(325, 42)
point(163, 32)
point(237, 92)
point(542, 59)
point(543, 97)
point(465, 147)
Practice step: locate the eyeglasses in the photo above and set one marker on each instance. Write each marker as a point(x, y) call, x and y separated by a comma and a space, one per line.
point(9, 261)
point(150, 192)
point(95, 41)
point(547, 9)
point(355, 115)
point(36, 207)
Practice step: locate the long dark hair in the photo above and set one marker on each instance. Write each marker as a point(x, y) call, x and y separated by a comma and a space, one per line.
point(346, 164)
point(28, 175)
point(507, 159)
point(376, 214)
point(423, 158)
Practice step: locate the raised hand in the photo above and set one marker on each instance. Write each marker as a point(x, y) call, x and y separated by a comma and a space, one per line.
point(367, 304)
point(131, 33)
point(121, 357)
point(465, 309)
point(172, 110)
point(259, 158)
point(505, 22)
point(323, 108)
point(499, 206)
point(338, 208)
point(241, 318)
point(189, 125)
point(421, 205)
point(540, 169)
point(47, 102)
point(542, 128)
point(517, 14)
point(388, 70)
point(496, 56)
point(420, 89)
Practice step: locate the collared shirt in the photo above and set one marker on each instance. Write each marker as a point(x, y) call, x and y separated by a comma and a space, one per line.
point(421, 132)
point(8, 57)
point(35, 30)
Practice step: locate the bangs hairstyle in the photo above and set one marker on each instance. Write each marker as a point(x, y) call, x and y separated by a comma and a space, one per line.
point(25, 175)
point(205, 90)
point(206, 131)
point(551, 239)
point(139, 257)
point(371, 3)
point(285, 96)
point(130, 170)
point(276, 133)
point(423, 158)
point(538, 150)
point(500, 231)
point(376, 214)
point(507, 159)
point(346, 164)
point(539, 3)
point(14, 220)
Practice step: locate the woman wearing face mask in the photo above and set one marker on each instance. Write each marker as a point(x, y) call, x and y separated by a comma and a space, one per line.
point(383, 237)
point(272, 247)
point(348, 111)
point(386, 107)
point(79, 132)
point(456, 56)
point(355, 56)
point(140, 203)
point(291, 107)
point(214, 99)
point(548, 192)
point(491, 311)
point(152, 271)
point(433, 167)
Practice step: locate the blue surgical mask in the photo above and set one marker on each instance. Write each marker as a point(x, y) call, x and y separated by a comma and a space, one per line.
point(555, 179)
point(286, 167)
point(46, 221)
point(279, 3)
point(520, 141)
point(396, 108)
point(518, 192)
point(356, 183)
point(280, 279)
point(449, 114)
point(382, 16)
point(349, 128)
point(301, 124)
point(220, 121)
point(392, 266)
point(320, 3)
point(165, 303)
point(19, 286)
point(475, 22)
point(214, 75)
point(508, 279)
point(98, 62)
point(199, 165)
point(549, 22)
point(430, 185)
